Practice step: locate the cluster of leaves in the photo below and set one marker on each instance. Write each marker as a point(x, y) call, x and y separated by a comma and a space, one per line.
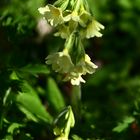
point(115, 96)
point(23, 84)
point(110, 99)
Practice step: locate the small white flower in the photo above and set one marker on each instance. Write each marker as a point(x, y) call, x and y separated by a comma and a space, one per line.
point(63, 31)
point(75, 78)
point(52, 14)
point(83, 67)
point(84, 18)
point(72, 16)
point(60, 61)
point(92, 29)
point(86, 66)
point(90, 66)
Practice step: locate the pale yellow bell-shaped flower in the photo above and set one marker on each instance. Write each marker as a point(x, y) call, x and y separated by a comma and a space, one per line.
point(85, 66)
point(61, 62)
point(52, 14)
point(72, 16)
point(74, 77)
point(89, 66)
point(84, 18)
point(77, 80)
point(92, 29)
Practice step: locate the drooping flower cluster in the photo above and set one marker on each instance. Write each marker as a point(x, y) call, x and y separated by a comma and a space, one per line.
point(73, 22)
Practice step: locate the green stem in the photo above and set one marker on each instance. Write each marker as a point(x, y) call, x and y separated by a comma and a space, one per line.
point(77, 5)
point(76, 100)
point(68, 127)
point(85, 3)
point(69, 42)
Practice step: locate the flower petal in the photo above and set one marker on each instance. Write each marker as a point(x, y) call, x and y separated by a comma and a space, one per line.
point(93, 29)
point(60, 61)
point(52, 14)
point(77, 81)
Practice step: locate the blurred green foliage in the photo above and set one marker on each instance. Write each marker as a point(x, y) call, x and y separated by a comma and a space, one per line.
point(29, 96)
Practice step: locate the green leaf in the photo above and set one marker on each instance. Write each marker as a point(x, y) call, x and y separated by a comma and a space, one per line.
point(129, 119)
point(26, 136)
point(54, 95)
point(27, 88)
point(7, 94)
point(75, 137)
point(62, 4)
point(8, 137)
point(33, 105)
point(124, 125)
point(14, 76)
point(60, 122)
point(32, 6)
point(28, 114)
point(125, 4)
point(70, 120)
point(63, 123)
point(120, 127)
point(13, 127)
point(35, 69)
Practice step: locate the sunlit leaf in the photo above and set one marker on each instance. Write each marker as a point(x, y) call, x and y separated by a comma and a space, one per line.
point(124, 125)
point(54, 95)
point(8, 137)
point(34, 106)
point(13, 127)
point(36, 69)
point(64, 122)
point(75, 137)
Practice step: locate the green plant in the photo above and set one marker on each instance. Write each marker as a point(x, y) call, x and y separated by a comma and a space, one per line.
point(74, 23)
point(49, 101)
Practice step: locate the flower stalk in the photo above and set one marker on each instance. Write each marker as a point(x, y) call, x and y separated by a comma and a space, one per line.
point(74, 23)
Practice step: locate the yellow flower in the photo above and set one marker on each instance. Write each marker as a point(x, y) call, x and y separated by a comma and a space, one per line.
point(83, 67)
point(90, 67)
point(75, 78)
point(92, 29)
point(60, 61)
point(52, 14)
point(72, 16)
point(86, 66)
point(63, 31)
point(84, 18)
